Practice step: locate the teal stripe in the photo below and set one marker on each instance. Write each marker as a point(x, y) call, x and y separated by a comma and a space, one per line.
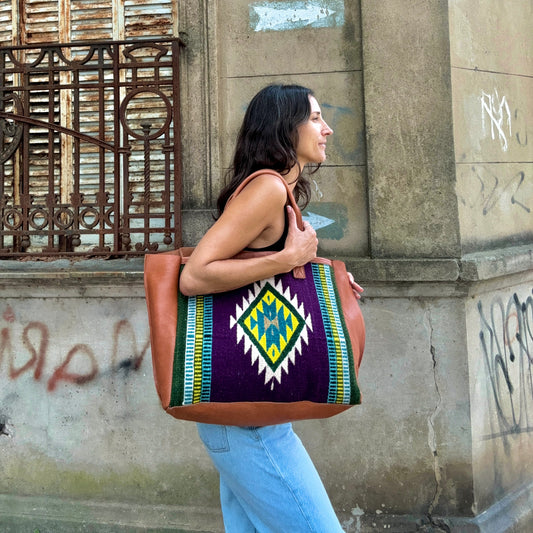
point(341, 329)
point(207, 347)
point(355, 393)
point(326, 321)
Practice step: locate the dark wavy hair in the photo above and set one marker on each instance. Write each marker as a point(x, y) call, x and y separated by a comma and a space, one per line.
point(268, 138)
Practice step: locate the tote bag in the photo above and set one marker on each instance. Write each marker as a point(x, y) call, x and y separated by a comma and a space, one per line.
point(277, 350)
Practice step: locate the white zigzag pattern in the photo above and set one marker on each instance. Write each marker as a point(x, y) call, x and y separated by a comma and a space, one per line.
point(249, 346)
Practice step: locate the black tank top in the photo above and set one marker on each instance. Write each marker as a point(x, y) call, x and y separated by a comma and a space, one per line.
point(279, 244)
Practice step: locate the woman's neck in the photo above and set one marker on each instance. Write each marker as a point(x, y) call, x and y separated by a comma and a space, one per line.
point(292, 176)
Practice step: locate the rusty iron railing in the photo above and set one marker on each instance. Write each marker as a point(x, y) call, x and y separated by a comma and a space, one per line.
point(90, 149)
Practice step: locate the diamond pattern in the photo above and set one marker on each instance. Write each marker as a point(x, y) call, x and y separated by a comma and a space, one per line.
point(272, 325)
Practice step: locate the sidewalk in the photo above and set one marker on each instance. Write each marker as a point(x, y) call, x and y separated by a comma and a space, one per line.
point(50, 515)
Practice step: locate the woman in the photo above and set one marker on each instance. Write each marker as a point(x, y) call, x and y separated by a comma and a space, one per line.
point(267, 480)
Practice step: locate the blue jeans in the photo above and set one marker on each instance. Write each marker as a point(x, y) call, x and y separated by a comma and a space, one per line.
point(268, 483)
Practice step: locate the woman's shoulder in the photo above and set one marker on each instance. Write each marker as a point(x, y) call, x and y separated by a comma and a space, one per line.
point(265, 187)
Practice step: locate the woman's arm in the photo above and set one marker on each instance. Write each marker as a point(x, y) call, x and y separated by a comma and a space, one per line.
point(253, 213)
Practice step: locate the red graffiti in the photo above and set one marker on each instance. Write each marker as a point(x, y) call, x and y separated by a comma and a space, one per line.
point(62, 374)
point(37, 356)
point(9, 315)
point(35, 340)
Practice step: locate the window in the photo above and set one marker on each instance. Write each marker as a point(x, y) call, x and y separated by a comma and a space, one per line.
point(89, 129)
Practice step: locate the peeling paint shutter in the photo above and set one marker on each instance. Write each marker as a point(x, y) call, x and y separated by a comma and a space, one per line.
point(40, 21)
point(6, 24)
point(64, 21)
point(148, 17)
point(91, 20)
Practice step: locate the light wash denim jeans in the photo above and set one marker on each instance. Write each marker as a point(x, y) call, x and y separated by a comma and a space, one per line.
point(268, 483)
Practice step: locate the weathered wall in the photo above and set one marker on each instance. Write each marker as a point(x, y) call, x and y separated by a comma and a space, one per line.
point(411, 180)
point(443, 429)
point(260, 42)
point(492, 85)
point(500, 350)
point(79, 414)
point(492, 80)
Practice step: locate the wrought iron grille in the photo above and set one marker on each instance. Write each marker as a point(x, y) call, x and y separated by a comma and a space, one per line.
point(90, 149)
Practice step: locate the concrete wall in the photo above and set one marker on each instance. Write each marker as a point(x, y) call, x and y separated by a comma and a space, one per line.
point(492, 80)
point(443, 431)
point(259, 42)
point(427, 196)
point(501, 389)
point(411, 183)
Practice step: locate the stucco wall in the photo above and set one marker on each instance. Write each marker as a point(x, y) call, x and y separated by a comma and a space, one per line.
point(256, 43)
point(492, 80)
point(443, 429)
point(500, 354)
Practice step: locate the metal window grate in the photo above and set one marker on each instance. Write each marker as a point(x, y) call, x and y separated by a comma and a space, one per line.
point(90, 149)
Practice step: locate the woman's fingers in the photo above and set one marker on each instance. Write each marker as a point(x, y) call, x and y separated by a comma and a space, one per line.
point(301, 243)
point(357, 289)
point(292, 216)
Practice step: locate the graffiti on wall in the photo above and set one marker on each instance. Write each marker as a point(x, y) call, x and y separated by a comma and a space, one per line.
point(500, 185)
point(27, 352)
point(496, 110)
point(506, 337)
point(495, 188)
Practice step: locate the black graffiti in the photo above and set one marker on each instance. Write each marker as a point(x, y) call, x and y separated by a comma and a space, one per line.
point(493, 188)
point(506, 337)
point(521, 127)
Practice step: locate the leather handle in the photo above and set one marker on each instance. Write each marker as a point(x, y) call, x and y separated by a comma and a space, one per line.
point(299, 271)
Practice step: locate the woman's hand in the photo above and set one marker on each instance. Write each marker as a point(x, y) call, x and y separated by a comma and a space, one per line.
point(356, 288)
point(301, 245)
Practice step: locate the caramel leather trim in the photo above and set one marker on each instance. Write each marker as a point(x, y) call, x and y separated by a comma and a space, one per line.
point(161, 274)
point(352, 313)
point(255, 413)
point(161, 288)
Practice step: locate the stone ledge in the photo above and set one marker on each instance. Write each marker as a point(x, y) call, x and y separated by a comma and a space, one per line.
point(495, 263)
point(401, 270)
point(470, 268)
point(480, 266)
point(63, 270)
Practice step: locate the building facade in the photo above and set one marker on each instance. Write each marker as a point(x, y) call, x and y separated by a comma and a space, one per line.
point(427, 194)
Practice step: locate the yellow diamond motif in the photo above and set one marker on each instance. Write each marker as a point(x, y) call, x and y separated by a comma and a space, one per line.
point(273, 324)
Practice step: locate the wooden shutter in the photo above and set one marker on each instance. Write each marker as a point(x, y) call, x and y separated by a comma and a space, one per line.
point(39, 21)
point(90, 20)
point(6, 23)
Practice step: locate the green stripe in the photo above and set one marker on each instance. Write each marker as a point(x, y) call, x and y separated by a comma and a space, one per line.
point(355, 395)
point(178, 370)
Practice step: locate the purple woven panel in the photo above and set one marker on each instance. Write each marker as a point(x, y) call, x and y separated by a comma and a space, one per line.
point(307, 377)
point(278, 340)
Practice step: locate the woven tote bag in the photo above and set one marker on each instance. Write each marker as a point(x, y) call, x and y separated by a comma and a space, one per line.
point(277, 350)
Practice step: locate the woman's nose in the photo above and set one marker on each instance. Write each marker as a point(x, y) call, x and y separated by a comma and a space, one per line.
point(327, 130)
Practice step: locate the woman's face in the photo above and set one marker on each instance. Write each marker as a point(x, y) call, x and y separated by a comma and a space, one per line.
point(313, 137)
